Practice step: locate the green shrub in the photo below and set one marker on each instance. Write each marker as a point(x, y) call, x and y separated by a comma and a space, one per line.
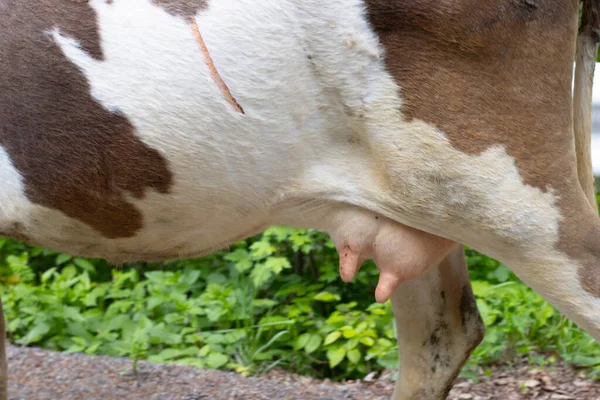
point(275, 300)
point(519, 322)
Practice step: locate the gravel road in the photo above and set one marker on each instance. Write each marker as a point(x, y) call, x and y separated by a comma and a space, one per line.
point(36, 374)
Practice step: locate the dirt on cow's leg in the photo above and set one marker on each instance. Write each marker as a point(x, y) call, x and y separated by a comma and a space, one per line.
point(3, 360)
point(438, 328)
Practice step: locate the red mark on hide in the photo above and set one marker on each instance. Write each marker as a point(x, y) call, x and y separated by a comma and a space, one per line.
point(213, 70)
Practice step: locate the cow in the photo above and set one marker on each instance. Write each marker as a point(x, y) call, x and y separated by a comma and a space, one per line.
point(152, 130)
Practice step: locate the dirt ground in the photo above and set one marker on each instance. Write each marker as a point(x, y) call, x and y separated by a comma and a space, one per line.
point(36, 374)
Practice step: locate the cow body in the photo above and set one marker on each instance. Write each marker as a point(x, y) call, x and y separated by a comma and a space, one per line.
point(401, 128)
point(139, 177)
point(295, 142)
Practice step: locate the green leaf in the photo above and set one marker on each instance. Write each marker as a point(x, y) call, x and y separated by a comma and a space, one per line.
point(260, 275)
point(332, 337)
point(241, 259)
point(480, 288)
point(48, 274)
point(389, 360)
point(327, 297)
point(84, 264)
point(367, 341)
point(216, 360)
point(264, 303)
point(36, 334)
point(154, 301)
point(545, 314)
point(352, 343)
point(204, 351)
point(160, 334)
point(277, 264)
point(279, 233)
point(73, 314)
point(354, 356)
point(488, 315)
point(582, 360)
point(215, 338)
point(502, 273)
point(62, 259)
point(301, 341)
point(336, 356)
point(93, 349)
point(167, 354)
point(313, 343)
point(261, 249)
point(348, 331)
point(336, 318)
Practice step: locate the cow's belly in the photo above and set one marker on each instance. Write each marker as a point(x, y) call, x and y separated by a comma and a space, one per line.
point(220, 172)
point(174, 225)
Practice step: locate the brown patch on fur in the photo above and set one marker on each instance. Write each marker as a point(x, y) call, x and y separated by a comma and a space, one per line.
point(182, 8)
point(486, 73)
point(74, 155)
point(498, 72)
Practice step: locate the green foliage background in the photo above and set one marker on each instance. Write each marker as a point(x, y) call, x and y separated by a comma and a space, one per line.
point(275, 300)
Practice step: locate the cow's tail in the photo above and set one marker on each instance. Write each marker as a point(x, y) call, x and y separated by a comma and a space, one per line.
point(587, 50)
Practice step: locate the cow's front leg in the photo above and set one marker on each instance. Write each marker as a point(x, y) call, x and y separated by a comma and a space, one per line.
point(438, 327)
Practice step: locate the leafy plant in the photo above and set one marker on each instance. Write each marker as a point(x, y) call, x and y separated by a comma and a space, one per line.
point(274, 300)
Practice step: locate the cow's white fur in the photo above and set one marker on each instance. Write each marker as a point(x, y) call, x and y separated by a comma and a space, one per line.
point(12, 199)
point(320, 134)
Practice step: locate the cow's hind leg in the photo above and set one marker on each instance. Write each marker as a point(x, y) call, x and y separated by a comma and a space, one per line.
point(438, 327)
point(3, 360)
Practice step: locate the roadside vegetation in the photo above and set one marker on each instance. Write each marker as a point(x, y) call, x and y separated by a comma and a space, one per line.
point(275, 300)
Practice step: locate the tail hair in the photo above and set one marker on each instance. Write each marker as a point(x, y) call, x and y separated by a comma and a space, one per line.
point(587, 52)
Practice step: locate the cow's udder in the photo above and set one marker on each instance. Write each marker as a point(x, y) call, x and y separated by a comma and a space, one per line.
point(400, 252)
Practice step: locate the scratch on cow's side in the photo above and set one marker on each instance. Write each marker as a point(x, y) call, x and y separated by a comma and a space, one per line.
point(213, 70)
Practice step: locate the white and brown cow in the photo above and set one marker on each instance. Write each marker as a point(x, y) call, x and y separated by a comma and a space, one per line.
point(150, 130)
